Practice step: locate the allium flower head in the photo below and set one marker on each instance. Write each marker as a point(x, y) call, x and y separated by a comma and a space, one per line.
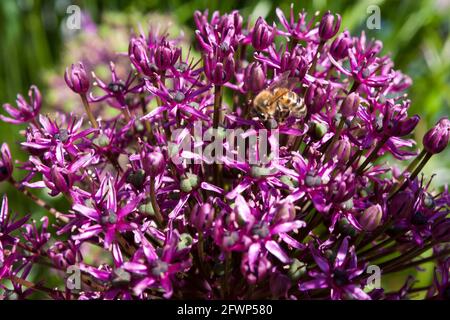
point(261, 170)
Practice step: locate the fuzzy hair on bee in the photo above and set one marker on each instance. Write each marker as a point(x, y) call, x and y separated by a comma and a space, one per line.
point(278, 102)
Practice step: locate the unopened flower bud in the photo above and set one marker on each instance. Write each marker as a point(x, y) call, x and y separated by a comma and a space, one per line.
point(153, 163)
point(263, 35)
point(77, 78)
point(401, 205)
point(371, 217)
point(317, 130)
point(315, 98)
point(166, 56)
point(189, 183)
point(296, 269)
point(218, 72)
point(6, 166)
point(202, 216)
point(350, 105)
point(436, 139)
point(328, 27)
point(340, 46)
point(285, 211)
point(61, 182)
point(341, 150)
point(254, 77)
point(139, 58)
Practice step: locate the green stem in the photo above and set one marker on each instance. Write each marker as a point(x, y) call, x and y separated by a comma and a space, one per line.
point(421, 165)
point(58, 215)
point(89, 111)
point(226, 277)
point(314, 62)
point(217, 168)
point(405, 256)
point(416, 263)
point(410, 168)
point(156, 210)
point(217, 106)
point(376, 247)
point(372, 155)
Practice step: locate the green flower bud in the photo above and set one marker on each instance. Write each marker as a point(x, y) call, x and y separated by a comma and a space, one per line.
point(189, 183)
point(297, 269)
point(184, 242)
point(102, 140)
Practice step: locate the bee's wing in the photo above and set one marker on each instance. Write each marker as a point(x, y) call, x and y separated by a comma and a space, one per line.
point(276, 97)
point(280, 81)
point(283, 81)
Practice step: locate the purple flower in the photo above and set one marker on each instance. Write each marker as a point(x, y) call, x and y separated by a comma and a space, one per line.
point(117, 90)
point(299, 29)
point(315, 98)
point(202, 216)
point(153, 163)
point(8, 241)
point(262, 35)
point(166, 55)
point(6, 166)
point(77, 78)
point(441, 285)
point(221, 35)
point(341, 150)
point(328, 27)
point(370, 219)
point(350, 105)
point(157, 271)
point(106, 215)
point(338, 276)
point(217, 71)
point(396, 123)
point(25, 111)
point(254, 77)
point(436, 139)
point(339, 47)
point(139, 57)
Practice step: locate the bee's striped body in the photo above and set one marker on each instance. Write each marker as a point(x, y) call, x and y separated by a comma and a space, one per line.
point(279, 104)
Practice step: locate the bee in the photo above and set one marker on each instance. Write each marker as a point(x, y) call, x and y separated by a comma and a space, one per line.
point(278, 101)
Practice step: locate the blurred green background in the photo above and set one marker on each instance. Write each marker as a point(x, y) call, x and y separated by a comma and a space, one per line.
point(415, 33)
